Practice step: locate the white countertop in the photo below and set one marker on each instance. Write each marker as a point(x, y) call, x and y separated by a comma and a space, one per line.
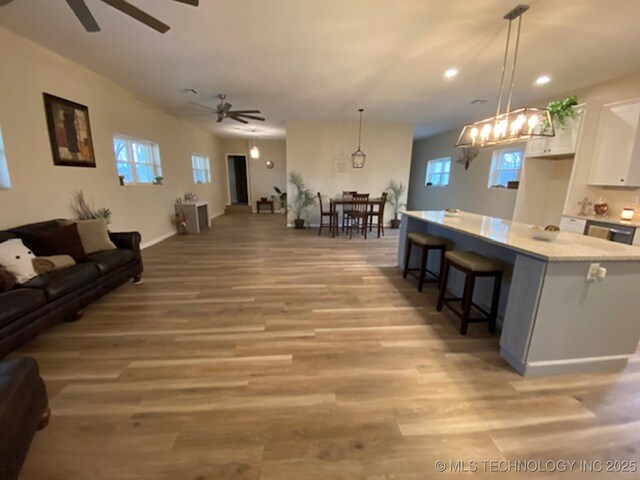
point(607, 219)
point(514, 235)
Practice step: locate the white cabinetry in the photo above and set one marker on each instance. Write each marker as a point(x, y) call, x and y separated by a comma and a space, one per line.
point(575, 225)
point(563, 144)
point(616, 156)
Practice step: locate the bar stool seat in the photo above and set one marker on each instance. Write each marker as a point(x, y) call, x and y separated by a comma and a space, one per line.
point(473, 266)
point(423, 239)
point(426, 243)
point(474, 262)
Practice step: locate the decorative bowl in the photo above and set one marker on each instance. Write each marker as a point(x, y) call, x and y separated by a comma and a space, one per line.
point(451, 212)
point(539, 233)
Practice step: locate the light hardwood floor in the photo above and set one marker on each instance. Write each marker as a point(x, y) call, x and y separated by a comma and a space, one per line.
point(257, 352)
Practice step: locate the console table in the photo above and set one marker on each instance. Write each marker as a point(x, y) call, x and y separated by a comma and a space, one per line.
point(260, 203)
point(196, 215)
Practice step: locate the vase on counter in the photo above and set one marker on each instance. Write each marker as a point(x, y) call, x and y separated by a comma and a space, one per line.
point(601, 207)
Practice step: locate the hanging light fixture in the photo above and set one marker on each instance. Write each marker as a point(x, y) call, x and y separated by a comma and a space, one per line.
point(254, 152)
point(358, 157)
point(512, 125)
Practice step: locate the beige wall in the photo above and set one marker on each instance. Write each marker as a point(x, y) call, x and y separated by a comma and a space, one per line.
point(624, 88)
point(261, 179)
point(467, 189)
point(42, 191)
point(321, 152)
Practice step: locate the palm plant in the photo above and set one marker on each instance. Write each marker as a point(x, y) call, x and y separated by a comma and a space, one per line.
point(302, 198)
point(395, 192)
point(83, 211)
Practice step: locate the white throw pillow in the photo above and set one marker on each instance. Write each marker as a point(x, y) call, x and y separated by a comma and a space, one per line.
point(16, 258)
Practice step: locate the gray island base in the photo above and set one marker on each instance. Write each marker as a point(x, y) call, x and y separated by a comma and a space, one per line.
point(554, 320)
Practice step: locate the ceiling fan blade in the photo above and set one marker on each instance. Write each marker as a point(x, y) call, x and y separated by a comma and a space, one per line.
point(83, 13)
point(244, 111)
point(5, 2)
point(226, 107)
point(237, 119)
point(252, 117)
point(134, 12)
point(220, 118)
point(204, 106)
point(193, 3)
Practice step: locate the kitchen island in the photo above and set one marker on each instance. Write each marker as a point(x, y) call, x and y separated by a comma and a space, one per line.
point(554, 319)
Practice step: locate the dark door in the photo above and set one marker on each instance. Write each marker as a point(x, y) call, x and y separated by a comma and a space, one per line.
point(238, 178)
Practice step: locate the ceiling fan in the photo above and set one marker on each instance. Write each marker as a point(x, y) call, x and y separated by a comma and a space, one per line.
point(223, 110)
point(89, 23)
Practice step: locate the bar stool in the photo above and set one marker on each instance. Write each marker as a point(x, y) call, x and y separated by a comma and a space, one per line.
point(426, 243)
point(473, 266)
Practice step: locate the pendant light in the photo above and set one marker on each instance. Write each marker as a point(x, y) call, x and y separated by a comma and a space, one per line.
point(358, 157)
point(254, 152)
point(512, 125)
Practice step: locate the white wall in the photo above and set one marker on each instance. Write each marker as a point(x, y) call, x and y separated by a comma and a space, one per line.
point(467, 189)
point(261, 179)
point(321, 152)
point(41, 191)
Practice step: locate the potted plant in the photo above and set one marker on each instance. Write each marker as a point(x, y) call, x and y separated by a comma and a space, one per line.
point(282, 199)
point(303, 199)
point(158, 180)
point(395, 192)
point(83, 211)
point(561, 110)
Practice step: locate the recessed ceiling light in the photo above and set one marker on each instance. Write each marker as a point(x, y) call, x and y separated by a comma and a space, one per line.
point(452, 72)
point(541, 80)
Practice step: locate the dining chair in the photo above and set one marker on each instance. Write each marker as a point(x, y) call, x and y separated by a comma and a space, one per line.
point(346, 195)
point(379, 214)
point(333, 218)
point(358, 214)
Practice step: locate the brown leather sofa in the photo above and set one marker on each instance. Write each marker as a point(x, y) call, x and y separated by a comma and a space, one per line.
point(23, 410)
point(31, 308)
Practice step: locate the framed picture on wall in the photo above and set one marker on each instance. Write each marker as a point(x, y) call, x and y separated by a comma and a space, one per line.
point(69, 132)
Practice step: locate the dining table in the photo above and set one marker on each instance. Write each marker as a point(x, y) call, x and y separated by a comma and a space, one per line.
point(346, 201)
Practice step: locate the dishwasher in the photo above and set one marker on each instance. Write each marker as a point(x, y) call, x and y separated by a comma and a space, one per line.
point(619, 233)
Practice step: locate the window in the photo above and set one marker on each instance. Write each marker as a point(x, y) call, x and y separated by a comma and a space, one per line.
point(201, 169)
point(5, 182)
point(138, 161)
point(438, 172)
point(505, 167)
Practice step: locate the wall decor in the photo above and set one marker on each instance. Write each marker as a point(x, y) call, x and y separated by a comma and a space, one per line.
point(467, 155)
point(69, 132)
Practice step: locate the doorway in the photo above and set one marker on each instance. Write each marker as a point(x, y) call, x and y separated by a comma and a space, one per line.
point(237, 178)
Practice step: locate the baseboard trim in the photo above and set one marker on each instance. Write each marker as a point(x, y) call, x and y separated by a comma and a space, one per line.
point(216, 215)
point(156, 240)
point(571, 365)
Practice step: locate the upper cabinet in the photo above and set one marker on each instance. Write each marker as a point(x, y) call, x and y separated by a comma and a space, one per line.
point(562, 145)
point(616, 156)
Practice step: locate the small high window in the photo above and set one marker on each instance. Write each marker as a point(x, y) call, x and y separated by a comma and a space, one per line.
point(138, 161)
point(5, 182)
point(201, 168)
point(438, 172)
point(505, 167)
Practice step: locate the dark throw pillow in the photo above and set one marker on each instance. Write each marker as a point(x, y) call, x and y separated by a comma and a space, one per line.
point(63, 240)
point(7, 280)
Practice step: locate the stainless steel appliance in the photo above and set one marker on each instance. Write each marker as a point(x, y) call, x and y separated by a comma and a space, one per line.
point(619, 233)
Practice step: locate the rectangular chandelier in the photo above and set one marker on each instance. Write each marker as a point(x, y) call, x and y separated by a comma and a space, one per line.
point(513, 125)
point(509, 127)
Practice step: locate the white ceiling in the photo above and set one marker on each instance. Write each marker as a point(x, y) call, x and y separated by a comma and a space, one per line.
point(322, 59)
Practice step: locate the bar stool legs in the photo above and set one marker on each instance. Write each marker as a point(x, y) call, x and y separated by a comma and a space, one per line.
point(424, 256)
point(467, 303)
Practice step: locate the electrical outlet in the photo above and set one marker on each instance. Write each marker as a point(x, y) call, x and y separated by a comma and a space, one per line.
point(635, 199)
point(592, 274)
